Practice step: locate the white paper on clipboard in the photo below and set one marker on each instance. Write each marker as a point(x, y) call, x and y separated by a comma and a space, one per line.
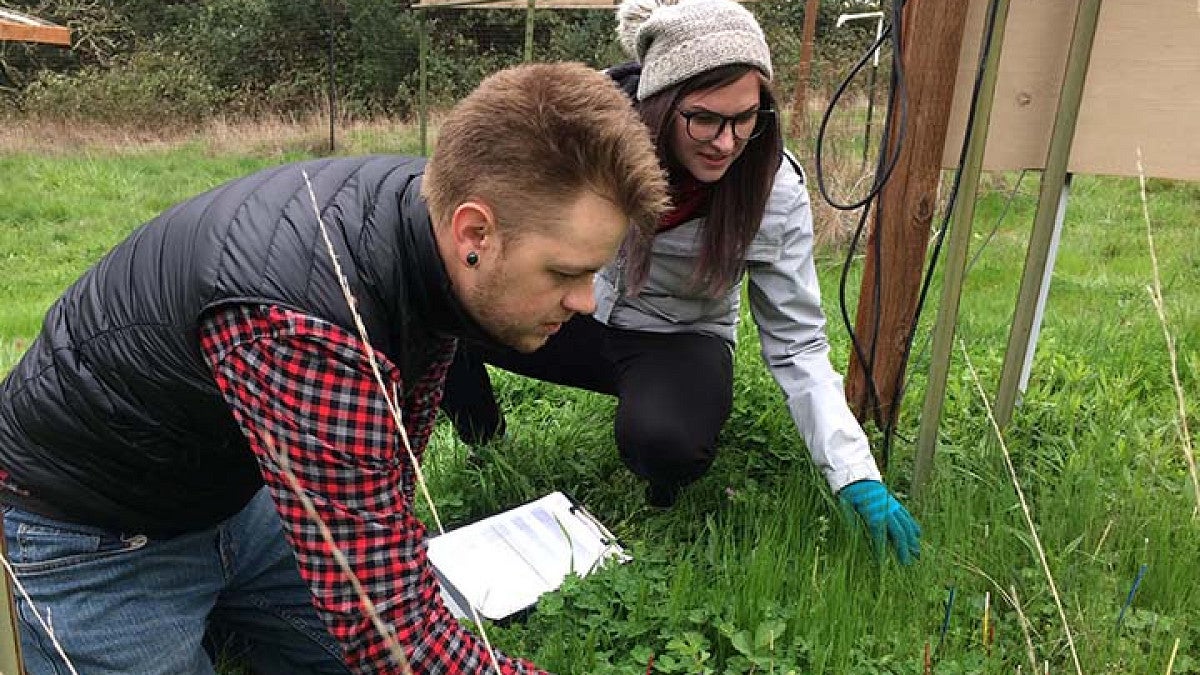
point(503, 563)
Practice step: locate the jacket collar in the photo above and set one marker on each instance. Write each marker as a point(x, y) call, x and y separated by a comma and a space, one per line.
point(427, 284)
point(627, 75)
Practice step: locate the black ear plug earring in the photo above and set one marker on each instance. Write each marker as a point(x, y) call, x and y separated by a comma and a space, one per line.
point(472, 259)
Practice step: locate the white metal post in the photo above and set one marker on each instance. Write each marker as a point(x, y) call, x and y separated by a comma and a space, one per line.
point(878, 16)
point(1040, 311)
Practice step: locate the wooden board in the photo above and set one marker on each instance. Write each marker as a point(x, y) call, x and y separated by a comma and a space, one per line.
point(51, 35)
point(1143, 88)
point(15, 27)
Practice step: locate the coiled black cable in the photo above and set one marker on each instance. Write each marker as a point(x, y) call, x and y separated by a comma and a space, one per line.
point(885, 165)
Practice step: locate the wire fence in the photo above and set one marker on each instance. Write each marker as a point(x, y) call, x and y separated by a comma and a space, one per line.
point(333, 71)
point(139, 63)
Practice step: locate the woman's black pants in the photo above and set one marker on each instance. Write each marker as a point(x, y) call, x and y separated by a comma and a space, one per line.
point(674, 392)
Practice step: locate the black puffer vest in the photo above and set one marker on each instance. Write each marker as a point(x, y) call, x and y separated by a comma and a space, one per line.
point(112, 417)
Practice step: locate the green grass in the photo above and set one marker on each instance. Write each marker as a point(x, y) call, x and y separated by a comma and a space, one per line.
point(755, 570)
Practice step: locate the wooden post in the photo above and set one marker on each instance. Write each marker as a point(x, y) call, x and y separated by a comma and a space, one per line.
point(932, 41)
point(10, 642)
point(423, 79)
point(799, 124)
point(332, 81)
point(529, 12)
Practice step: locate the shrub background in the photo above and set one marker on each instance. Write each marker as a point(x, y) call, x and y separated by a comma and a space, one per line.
point(142, 62)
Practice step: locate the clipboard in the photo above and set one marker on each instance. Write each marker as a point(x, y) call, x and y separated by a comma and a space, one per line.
point(502, 564)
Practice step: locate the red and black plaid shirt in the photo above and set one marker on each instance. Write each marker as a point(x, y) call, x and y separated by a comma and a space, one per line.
point(307, 384)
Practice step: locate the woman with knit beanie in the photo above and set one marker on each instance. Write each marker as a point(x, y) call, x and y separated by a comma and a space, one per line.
point(662, 334)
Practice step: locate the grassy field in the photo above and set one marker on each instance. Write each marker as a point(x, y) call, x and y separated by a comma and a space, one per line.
point(755, 570)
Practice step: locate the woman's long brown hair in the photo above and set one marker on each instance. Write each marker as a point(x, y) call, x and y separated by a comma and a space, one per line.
point(739, 198)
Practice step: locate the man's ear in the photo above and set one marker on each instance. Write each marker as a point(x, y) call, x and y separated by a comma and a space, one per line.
point(473, 230)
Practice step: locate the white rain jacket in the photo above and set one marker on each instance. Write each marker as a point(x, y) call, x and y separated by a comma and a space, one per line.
point(785, 301)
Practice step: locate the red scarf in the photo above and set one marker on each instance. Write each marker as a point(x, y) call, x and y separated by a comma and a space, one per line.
point(689, 199)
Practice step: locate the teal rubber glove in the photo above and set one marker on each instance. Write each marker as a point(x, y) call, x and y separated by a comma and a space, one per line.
point(886, 518)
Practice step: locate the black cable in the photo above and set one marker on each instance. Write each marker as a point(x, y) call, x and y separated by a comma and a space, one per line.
point(897, 87)
point(996, 227)
point(872, 391)
point(985, 48)
point(884, 167)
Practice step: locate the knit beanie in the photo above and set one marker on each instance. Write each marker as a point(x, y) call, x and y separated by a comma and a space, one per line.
point(675, 40)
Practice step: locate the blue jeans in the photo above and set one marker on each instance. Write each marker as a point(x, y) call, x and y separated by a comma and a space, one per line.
point(122, 603)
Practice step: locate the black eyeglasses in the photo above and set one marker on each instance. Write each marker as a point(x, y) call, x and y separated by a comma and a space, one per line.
point(705, 125)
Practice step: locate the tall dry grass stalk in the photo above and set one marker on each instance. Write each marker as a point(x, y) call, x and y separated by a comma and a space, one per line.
point(1156, 297)
point(388, 396)
point(1037, 540)
point(37, 615)
point(364, 599)
point(1171, 661)
point(1103, 537)
point(390, 399)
